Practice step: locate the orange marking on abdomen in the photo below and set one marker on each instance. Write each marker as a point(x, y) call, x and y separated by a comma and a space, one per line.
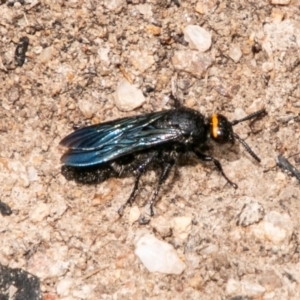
point(215, 125)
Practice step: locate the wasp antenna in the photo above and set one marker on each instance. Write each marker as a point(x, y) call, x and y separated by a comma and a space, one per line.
point(251, 116)
point(247, 147)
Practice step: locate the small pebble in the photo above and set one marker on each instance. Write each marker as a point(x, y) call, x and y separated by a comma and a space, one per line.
point(233, 287)
point(64, 286)
point(277, 15)
point(46, 55)
point(270, 280)
point(37, 49)
point(87, 107)
point(39, 212)
point(152, 29)
point(210, 249)
point(197, 37)
point(196, 282)
point(200, 7)
point(144, 9)
point(182, 227)
point(252, 289)
point(267, 67)
point(162, 226)
point(103, 53)
point(141, 60)
point(14, 94)
point(275, 227)
point(278, 227)
point(235, 53)
point(128, 97)
point(20, 170)
point(281, 2)
point(282, 36)
point(114, 5)
point(156, 255)
point(251, 213)
point(44, 266)
point(244, 288)
point(134, 214)
point(32, 174)
point(192, 62)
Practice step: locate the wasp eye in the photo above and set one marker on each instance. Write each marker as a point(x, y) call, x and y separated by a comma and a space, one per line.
point(220, 129)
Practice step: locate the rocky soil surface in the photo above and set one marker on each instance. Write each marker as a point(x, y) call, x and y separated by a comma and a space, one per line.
point(80, 62)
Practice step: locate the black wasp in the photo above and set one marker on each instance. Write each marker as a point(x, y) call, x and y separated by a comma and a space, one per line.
point(131, 145)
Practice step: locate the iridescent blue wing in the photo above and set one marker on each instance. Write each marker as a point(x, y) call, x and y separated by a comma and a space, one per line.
point(104, 142)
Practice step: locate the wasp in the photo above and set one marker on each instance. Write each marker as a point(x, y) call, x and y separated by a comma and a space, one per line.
point(129, 146)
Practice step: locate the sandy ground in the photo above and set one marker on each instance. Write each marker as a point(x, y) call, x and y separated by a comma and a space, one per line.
point(240, 244)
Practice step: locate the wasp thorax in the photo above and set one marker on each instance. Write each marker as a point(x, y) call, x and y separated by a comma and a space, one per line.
point(220, 129)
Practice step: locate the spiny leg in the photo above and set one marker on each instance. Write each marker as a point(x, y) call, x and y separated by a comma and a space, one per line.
point(166, 168)
point(205, 157)
point(132, 195)
point(139, 172)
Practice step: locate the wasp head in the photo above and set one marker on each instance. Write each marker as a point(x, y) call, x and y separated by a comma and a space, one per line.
point(221, 129)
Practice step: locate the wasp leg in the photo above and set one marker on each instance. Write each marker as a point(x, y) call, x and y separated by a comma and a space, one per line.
point(166, 168)
point(139, 172)
point(132, 195)
point(218, 165)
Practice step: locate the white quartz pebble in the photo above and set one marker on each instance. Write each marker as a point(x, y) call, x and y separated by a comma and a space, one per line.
point(197, 37)
point(157, 256)
point(128, 96)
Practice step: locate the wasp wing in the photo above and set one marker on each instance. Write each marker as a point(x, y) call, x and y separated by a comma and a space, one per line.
point(104, 142)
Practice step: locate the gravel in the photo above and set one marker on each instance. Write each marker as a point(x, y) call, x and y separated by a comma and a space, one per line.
point(234, 244)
